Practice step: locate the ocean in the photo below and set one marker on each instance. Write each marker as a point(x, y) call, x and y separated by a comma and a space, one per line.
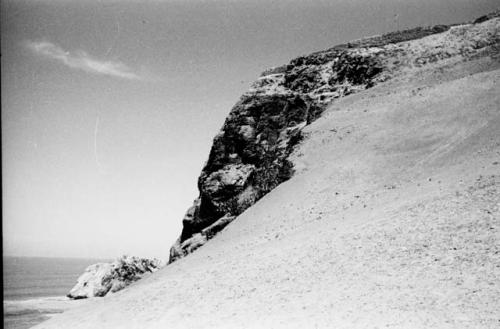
point(35, 288)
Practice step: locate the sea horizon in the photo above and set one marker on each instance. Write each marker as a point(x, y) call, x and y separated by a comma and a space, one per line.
point(35, 287)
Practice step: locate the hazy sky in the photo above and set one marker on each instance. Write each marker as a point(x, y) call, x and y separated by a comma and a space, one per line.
point(109, 107)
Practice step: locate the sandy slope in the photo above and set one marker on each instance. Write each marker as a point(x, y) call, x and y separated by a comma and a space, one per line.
point(392, 221)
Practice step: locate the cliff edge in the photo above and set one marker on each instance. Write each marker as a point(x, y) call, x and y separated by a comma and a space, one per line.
point(249, 156)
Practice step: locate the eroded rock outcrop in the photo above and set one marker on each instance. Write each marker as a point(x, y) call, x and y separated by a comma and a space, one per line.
point(249, 156)
point(103, 278)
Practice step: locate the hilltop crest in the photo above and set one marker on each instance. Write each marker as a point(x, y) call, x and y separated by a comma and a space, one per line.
point(249, 156)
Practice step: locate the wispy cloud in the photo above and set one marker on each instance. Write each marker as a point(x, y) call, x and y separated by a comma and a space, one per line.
point(82, 61)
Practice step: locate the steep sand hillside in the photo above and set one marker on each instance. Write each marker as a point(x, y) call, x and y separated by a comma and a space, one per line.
point(392, 220)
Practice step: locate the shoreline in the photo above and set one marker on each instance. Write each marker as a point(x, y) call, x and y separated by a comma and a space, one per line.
point(55, 303)
point(25, 313)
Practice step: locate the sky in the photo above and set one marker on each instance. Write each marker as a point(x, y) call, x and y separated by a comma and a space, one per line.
point(109, 108)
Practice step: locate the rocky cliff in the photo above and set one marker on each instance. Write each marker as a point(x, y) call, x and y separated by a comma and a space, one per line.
point(249, 156)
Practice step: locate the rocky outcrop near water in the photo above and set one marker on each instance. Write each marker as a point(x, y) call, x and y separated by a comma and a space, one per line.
point(249, 156)
point(102, 278)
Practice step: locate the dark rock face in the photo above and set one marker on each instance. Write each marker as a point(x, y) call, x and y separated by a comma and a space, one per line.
point(248, 157)
point(247, 160)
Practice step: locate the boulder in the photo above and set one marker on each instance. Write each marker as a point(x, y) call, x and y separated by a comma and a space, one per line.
point(103, 278)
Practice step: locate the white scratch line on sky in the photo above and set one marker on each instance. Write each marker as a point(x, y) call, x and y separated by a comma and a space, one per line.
point(96, 128)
